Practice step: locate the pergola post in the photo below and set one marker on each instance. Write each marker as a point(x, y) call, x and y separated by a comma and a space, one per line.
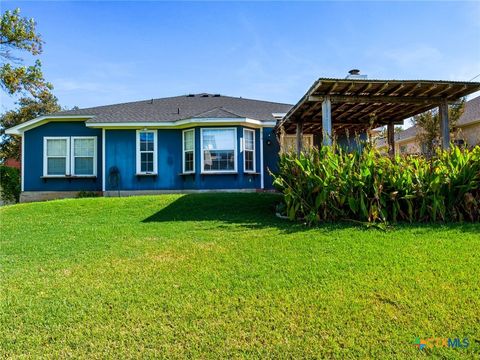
point(327, 121)
point(299, 139)
point(444, 125)
point(391, 138)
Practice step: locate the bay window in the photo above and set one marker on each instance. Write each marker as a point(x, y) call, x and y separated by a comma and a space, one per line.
point(70, 156)
point(248, 150)
point(188, 151)
point(219, 150)
point(146, 152)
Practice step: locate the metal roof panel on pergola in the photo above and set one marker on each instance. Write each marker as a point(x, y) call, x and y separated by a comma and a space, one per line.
point(359, 104)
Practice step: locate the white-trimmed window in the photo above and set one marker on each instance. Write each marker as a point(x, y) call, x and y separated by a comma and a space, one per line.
point(219, 150)
point(84, 154)
point(188, 156)
point(70, 156)
point(248, 150)
point(147, 152)
point(56, 156)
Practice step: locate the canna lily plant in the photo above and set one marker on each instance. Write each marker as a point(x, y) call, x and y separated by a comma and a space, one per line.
point(329, 183)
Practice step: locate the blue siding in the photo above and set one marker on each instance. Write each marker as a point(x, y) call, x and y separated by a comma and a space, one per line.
point(271, 148)
point(120, 147)
point(33, 158)
point(120, 153)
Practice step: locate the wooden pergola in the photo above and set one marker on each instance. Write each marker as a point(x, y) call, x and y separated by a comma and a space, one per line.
point(333, 106)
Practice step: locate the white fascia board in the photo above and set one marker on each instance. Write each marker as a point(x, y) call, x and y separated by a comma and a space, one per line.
point(27, 125)
point(21, 128)
point(183, 123)
point(279, 115)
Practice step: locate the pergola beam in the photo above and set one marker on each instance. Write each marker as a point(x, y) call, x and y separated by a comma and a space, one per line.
point(379, 99)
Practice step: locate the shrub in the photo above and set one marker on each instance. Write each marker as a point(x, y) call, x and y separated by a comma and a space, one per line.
point(329, 184)
point(10, 184)
point(86, 194)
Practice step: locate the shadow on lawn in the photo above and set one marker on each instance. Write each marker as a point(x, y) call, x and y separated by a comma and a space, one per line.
point(251, 210)
point(256, 210)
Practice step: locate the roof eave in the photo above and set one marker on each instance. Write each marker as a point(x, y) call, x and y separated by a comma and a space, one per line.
point(31, 124)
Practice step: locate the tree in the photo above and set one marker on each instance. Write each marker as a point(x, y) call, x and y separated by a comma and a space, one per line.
point(429, 126)
point(29, 108)
point(19, 34)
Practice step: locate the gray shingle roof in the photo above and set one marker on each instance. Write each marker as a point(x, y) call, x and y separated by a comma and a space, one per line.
point(182, 107)
point(471, 113)
point(401, 135)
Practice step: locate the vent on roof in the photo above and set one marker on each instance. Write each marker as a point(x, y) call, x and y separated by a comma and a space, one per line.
point(190, 95)
point(216, 95)
point(204, 95)
point(355, 74)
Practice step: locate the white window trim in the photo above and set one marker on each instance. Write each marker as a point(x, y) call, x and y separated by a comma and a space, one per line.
point(234, 171)
point(72, 152)
point(183, 151)
point(254, 152)
point(45, 157)
point(69, 163)
point(137, 151)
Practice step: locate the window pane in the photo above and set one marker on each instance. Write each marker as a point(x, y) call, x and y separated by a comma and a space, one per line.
point(188, 140)
point(84, 147)
point(83, 166)
point(146, 141)
point(219, 160)
point(56, 166)
point(189, 161)
point(56, 147)
point(146, 136)
point(146, 162)
point(249, 160)
point(218, 139)
point(249, 140)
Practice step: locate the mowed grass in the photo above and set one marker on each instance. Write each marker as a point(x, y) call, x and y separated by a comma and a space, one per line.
point(219, 276)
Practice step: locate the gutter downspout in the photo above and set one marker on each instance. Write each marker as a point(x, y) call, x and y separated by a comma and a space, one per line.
point(103, 161)
point(22, 165)
point(261, 160)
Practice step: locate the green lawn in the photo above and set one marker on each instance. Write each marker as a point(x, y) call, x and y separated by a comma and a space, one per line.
point(219, 276)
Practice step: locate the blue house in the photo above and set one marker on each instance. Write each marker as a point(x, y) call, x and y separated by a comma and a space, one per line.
point(196, 142)
point(207, 142)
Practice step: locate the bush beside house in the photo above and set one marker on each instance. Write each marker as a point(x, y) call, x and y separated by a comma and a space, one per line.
point(330, 184)
point(9, 184)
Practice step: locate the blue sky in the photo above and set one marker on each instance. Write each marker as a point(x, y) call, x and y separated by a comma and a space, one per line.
point(99, 53)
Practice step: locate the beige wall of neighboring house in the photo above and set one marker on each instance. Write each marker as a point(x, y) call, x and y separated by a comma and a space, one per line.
point(468, 130)
point(470, 133)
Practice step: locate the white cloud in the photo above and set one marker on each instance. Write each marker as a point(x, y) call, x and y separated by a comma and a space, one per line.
point(413, 56)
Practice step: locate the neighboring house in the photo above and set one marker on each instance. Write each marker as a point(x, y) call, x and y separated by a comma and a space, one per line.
point(405, 142)
point(468, 125)
point(192, 142)
point(467, 132)
point(12, 163)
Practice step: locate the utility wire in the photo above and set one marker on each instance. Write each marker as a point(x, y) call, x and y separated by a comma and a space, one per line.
point(474, 77)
